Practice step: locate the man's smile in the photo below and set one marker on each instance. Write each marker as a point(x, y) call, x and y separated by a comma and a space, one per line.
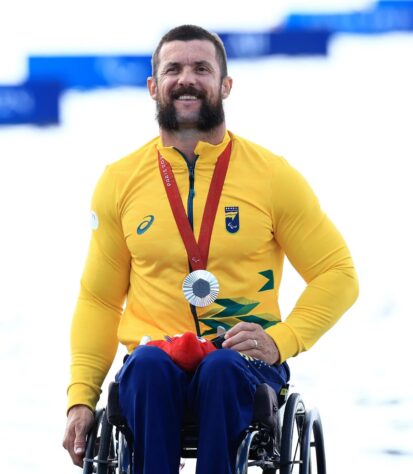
point(187, 94)
point(187, 97)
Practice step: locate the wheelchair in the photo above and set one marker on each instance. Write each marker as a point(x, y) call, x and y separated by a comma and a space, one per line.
point(283, 438)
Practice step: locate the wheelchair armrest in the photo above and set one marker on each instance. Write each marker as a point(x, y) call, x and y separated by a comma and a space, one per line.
point(114, 414)
point(265, 406)
point(113, 411)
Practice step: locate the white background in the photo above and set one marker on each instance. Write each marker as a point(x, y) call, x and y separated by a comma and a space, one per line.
point(345, 122)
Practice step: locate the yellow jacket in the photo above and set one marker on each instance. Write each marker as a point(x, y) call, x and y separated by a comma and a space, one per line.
point(136, 255)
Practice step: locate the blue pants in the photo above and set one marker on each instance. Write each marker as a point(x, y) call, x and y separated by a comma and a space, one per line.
point(155, 395)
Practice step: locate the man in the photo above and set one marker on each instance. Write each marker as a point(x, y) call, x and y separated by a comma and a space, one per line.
point(147, 208)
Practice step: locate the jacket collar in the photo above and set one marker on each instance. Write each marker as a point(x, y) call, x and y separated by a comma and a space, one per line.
point(207, 154)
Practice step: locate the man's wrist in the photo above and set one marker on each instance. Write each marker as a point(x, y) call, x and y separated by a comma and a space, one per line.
point(80, 406)
point(277, 352)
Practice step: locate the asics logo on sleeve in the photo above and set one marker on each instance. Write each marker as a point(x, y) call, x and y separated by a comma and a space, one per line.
point(145, 224)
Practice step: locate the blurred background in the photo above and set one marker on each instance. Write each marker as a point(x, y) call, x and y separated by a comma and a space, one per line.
point(326, 84)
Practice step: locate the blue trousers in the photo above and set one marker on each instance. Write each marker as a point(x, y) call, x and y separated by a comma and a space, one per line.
point(155, 395)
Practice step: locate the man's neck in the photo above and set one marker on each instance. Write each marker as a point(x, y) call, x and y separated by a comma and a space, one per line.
point(186, 140)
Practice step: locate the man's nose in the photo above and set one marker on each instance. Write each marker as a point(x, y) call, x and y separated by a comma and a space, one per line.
point(187, 77)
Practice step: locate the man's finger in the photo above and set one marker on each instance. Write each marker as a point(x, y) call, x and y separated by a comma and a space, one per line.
point(246, 346)
point(248, 336)
point(79, 448)
point(80, 439)
point(240, 327)
point(69, 444)
point(79, 421)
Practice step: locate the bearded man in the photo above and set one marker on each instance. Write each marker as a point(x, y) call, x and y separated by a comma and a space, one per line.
point(191, 231)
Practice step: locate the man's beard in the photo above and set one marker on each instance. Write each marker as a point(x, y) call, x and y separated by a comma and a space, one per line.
point(210, 115)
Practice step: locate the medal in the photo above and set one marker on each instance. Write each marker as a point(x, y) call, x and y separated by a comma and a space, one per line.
point(200, 288)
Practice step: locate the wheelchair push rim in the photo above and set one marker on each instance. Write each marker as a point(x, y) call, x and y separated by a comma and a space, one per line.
point(92, 445)
point(101, 449)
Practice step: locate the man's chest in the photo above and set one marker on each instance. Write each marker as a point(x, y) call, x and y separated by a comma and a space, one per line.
point(242, 227)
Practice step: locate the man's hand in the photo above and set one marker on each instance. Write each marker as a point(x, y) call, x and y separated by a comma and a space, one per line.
point(251, 339)
point(79, 421)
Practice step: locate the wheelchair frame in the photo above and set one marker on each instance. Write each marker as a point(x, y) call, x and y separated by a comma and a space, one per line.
point(288, 440)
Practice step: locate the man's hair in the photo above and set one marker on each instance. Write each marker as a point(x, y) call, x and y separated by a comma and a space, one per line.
point(189, 33)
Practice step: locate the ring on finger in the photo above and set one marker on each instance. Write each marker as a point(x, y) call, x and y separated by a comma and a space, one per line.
point(255, 343)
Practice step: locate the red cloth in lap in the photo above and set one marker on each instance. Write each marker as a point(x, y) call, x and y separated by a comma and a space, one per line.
point(186, 350)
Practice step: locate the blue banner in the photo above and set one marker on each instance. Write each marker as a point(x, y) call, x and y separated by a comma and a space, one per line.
point(30, 103)
point(384, 17)
point(88, 72)
point(280, 42)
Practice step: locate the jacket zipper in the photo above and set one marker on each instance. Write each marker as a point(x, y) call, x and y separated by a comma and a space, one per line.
point(190, 207)
point(191, 195)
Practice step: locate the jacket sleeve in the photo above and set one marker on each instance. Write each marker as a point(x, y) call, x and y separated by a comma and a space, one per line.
point(319, 253)
point(103, 290)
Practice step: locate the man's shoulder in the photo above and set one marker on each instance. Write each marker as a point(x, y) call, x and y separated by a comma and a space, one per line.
point(257, 150)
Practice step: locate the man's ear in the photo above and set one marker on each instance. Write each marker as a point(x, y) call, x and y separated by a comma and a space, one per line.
point(152, 87)
point(226, 87)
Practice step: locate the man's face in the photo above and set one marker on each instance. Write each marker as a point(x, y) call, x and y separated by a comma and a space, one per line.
point(188, 88)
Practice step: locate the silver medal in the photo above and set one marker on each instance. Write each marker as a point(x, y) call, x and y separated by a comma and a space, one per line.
point(200, 288)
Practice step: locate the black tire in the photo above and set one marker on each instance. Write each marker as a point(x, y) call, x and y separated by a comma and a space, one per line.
point(319, 446)
point(92, 444)
point(291, 461)
point(106, 453)
point(313, 445)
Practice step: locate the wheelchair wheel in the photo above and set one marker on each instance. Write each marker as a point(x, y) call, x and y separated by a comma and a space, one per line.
point(313, 438)
point(243, 452)
point(106, 460)
point(125, 456)
point(302, 441)
point(92, 445)
point(257, 450)
point(291, 455)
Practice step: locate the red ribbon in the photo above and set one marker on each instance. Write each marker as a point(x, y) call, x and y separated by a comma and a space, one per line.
point(197, 252)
